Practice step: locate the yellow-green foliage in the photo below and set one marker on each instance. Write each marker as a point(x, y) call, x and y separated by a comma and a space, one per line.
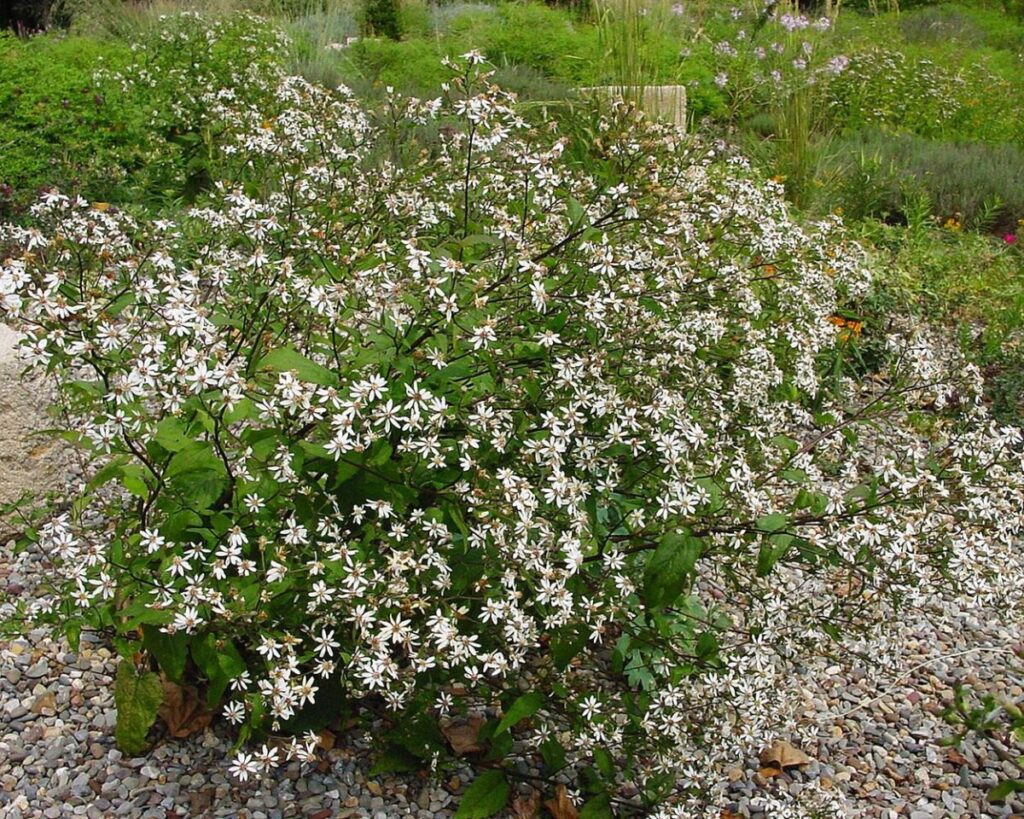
point(58, 126)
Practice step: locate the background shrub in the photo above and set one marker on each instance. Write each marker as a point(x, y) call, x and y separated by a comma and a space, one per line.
point(59, 127)
point(979, 185)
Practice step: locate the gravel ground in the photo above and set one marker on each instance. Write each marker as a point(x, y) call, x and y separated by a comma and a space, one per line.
point(881, 751)
point(58, 757)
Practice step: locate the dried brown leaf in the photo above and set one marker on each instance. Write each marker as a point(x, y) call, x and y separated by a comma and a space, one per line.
point(182, 710)
point(44, 702)
point(526, 807)
point(465, 738)
point(782, 755)
point(954, 756)
point(561, 807)
point(200, 801)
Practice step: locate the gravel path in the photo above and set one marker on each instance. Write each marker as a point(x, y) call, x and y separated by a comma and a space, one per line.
point(58, 758)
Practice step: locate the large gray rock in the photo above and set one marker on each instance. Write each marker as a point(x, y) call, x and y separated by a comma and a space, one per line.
point(29, 460)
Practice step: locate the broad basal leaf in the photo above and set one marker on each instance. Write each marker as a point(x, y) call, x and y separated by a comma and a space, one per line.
point(138, 698)
point(484, 797)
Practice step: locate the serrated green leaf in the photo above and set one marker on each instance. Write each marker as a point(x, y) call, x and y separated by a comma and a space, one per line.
point(771, 552)
point(600, 807)
point(198, 474)
point(707, 645)
point(771, 523)
point(668, 568)
point(73, 632)
point(553, 754)
point(220, 662)
point(170, 650)
point(133, 478)
point(289, 360)
point(395, 760)
point(178, 524)
point(107, 473)
point(575, 212)
point(525, 706)
point(137, 697)
point(485, 796)
point(566, 646)
point(604, 763)
point(171, 433)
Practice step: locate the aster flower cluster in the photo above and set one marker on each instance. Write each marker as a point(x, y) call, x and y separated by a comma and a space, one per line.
point(773, 54)
point(874, 90)
point(419, 409)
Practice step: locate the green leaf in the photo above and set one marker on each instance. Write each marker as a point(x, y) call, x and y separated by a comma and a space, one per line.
point(287, 359)
point(575, 211)
point(220, 662)
point(177, 525)
point(771, 523)
point(170, 650)
point(1004, 789)
point(498, 747)
point(484, 797)
point(707, 645)
point(566, 646)
point(420, 736)
point(771, 552)
point(137, 697)
point(553, 754)
point(141, 611)
point(525, 706)
point(480, 239)
point(600, 807)
point(133, 478)
point(198, 474)
point(172, 434)
point(107, 473)
point(604, 763)
point(668, 568)
point(786, 443)
point(73, 631)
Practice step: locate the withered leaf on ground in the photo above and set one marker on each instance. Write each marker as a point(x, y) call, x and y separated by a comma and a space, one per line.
point(44, 702)
point(465, 737)
point(954, 756)
point(526, 807)
point(200, 801)
point(183, 710)
point(781, 755)
point(561, 807)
